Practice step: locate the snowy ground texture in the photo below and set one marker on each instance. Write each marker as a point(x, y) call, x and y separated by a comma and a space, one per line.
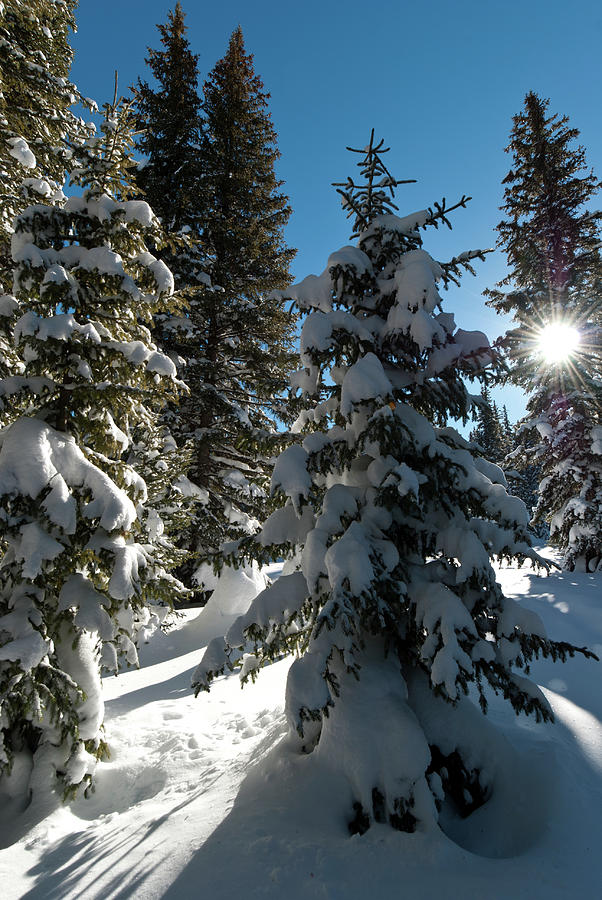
point(204, 798)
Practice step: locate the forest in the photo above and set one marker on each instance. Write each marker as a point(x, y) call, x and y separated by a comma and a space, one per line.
point(319, 467)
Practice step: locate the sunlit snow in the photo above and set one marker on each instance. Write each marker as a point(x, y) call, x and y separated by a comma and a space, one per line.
point(207, 797)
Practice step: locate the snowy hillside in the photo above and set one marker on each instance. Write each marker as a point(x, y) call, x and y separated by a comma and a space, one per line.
point(205, 798)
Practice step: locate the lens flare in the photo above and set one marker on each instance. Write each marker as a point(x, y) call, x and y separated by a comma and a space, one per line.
point(557, 342)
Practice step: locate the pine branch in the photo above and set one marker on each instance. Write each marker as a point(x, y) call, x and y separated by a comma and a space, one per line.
point(452, 269)
point(441, 211)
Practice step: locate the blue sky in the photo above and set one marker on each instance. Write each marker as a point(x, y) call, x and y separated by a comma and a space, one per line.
point(438, 80)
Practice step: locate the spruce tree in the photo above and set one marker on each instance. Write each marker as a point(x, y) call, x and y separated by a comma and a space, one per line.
point(488, 433)
point(169, 138)
point(388, 525)
point(38, 131)
point(237, 371)
point(552, 241)
point(496, 440)
point(86, 553)
point(170, 176)
point(37, 125)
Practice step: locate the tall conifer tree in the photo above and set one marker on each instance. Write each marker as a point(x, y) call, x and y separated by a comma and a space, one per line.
point(170, 175)
point(552, 243)
point(240, 369)
point(232, 344)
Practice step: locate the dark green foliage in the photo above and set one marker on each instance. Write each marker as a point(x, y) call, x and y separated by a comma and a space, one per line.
point(169, 138)
point(461, 785)
point(210, 176)
point(571, 461)
point(402, 819)
point(550, 238)
point(239, 370)
point(169, 116)
point(498, 441)
point(523, 473)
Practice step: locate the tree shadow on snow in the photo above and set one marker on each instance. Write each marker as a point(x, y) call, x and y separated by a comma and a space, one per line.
point(113, 863)
point(287, 833)
point(170, 688)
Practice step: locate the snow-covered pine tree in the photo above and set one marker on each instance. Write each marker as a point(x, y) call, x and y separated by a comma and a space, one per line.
point(231, 345)
point(498, 442)
point(507, 429)
point(552, 243)
point(85, 552)
point(238, 371)
point(388, 525)
point(37, 132)
point(10, 364)
point(37, 125)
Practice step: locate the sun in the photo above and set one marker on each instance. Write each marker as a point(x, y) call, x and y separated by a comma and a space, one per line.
point(557, 342)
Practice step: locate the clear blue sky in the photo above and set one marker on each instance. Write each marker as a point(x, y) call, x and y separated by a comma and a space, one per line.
point(439, 80)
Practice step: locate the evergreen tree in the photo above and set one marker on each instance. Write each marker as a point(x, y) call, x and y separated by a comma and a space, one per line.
point(37, 125)
point(170, 138)
point(523, 473)
point(571, 452)
point(552, 243)
point(508, 447)
point(488, 433)
point(85, 551)
point(10, 364)
point(237, 371)
point(389, 525)
point(507, 430)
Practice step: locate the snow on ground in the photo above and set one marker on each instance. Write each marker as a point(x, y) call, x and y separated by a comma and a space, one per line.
point(205, 798)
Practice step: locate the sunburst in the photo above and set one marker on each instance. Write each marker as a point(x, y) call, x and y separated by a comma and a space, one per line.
point(558, 342)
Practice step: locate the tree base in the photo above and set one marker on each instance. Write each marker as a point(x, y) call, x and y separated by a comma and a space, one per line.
point(462, 786)
point(459, 785)
point(403, 820)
